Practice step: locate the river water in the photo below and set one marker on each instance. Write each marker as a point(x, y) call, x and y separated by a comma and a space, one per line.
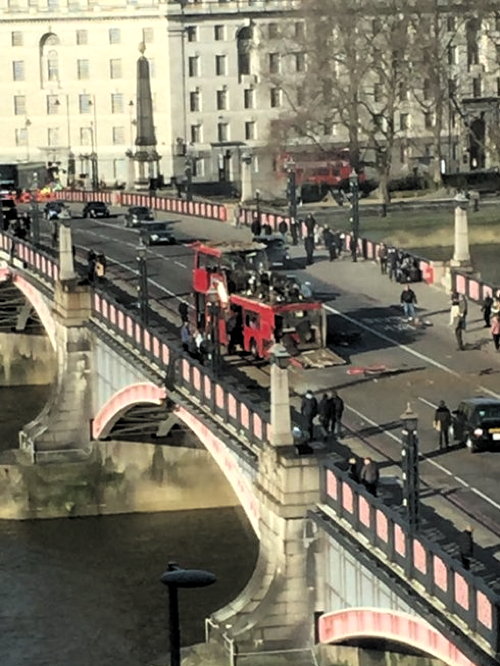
point(86, 591)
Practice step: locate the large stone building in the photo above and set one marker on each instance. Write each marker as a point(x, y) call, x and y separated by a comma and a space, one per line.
point(68, 88)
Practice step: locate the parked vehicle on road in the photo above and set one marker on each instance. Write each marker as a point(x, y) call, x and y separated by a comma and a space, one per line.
point(95, 209)
point(58, 210)
point(156, 233)
point(9, 209)
point(276, 251)
point(135, 215)
point(476, 423)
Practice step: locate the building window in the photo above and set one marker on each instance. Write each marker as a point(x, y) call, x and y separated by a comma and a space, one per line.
point(274, 63)
point(221, 100)
point(426, 89)
point(275, 94)
point(192, 33)
point(244, 44)
point(452, 55)
point(428, 120)
point(498, 86)
point(85, 136)
point(402, 153)
point(452, 87)
point(115, 68)
point(193, 66)
point(450, 24)
point(52, 105)
point(248, 98)
point(404, 121)
point(272, 31)
point(300, 62)
point(19, 105)
point(403, 91)
point(497, 47)
point(301, 97)
point(220, 65)
point(114, 36)
point(84, 103)
point(219, 33)
point(476, 87)
point(376, 26)
point(377, 92)
point(21, 136)
point(18, 70)
point(118, 136)
point(82, 69)
point(195, 133)
point(16, 38)
point(53, 136)
point(194, 100)
point(222, 132)
point(82, 37)
point(299, 30)
point(249, 130)
point(53, 4)
point(52, 66)
point(117, 103)
point(148, 35)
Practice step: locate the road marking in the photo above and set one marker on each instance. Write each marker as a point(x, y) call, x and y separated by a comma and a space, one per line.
point(424, 458)
point(404, 347)
point(179, 263)
point(427, 402)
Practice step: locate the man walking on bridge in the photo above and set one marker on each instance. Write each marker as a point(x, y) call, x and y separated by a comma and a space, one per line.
point(408, 301)
point(309, 410)
point(442, 423)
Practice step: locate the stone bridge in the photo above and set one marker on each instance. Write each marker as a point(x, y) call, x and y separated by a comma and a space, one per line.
point(335, 565)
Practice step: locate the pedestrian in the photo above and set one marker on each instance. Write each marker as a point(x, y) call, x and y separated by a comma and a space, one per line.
point(183, 310)
point(458, 326)
point(256, 226)
point(369, 476)
point(283, 229)
point(326, 411)
point(55, 232)
point(486, 310)
point(408, 301)
point(392, 262)
point(330, 244)
point(442, 423)
point(309, 248)
point(267, 229)
point(237, 216)
point(382, 257)
point(91, 262)
point(466, 546)
point(463, 307)
point(294, 231)
point(309, 410)
point(100, 266)
point(354, 469)
point(185, 336)
point(338, 411)
point(310, 224)
point(495, 308)
point(495, 331)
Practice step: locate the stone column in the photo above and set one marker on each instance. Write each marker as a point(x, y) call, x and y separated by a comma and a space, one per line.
point(130, 172)
point(246, 178)
point(461, 254)
point(281, 427)
point(66, 262)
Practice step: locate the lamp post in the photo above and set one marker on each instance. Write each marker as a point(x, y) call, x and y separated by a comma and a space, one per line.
point(409, 464)
point(213, 311)
point(174, 578)
point(27, 125)
point(291, 189)
point(70, 172)
point(354, 188)
point(257, 203)
point(93, 137)
point(188, 172)
point(35, 211)
point(142, 287)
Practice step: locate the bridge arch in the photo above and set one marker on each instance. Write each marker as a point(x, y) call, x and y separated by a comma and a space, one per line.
point(390, 625)
point(37, 301)
point(149, 393)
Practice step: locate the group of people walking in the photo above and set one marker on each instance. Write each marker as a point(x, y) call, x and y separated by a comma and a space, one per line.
point(398, 265)
point(329, 410)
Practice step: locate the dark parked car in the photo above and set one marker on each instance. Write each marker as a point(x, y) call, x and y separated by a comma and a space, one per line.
point(138, 214)
point(476, 423)
point(95, 209)
point(276, 250)
point(156, 233)
point(9, 210)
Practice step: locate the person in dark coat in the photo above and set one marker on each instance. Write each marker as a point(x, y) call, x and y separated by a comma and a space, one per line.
point(369, 476)
point(294, 231)
point(283, 229)
point(309, 248)
point(309, 409)
point(256, 226)
point(183, 310)
point(330, 244)
point(338, 411)
point(354, 469)
point(382, 257)
point(392, 262)
point(466, 546)
point(310, 223)
point(486, 310)
point(326, 411)
point(91, 264)
point(442, 423)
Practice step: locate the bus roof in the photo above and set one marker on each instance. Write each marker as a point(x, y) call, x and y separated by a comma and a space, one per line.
point(220, 248)
point(256, 304)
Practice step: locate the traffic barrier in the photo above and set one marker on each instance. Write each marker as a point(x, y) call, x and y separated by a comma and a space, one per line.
point(471, 286)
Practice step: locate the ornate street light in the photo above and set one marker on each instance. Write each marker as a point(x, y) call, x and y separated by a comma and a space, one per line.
point(354, 188)
point(142, 287)
point(291, 190)
point(214, 311)
point(409, 464)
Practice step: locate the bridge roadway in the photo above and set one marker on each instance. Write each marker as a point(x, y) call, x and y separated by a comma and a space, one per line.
point(423, 365)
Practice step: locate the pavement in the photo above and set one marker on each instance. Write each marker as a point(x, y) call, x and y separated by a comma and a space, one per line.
point(421, 366)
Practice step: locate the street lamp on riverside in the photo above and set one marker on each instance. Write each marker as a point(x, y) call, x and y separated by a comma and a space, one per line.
point(409, 464)
point(291, 190)
point(213, 312)
point(188, 172)
point(354, 188)
point(174, 578)
point(257, 204)
point(142, 288)
point(35, 211)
